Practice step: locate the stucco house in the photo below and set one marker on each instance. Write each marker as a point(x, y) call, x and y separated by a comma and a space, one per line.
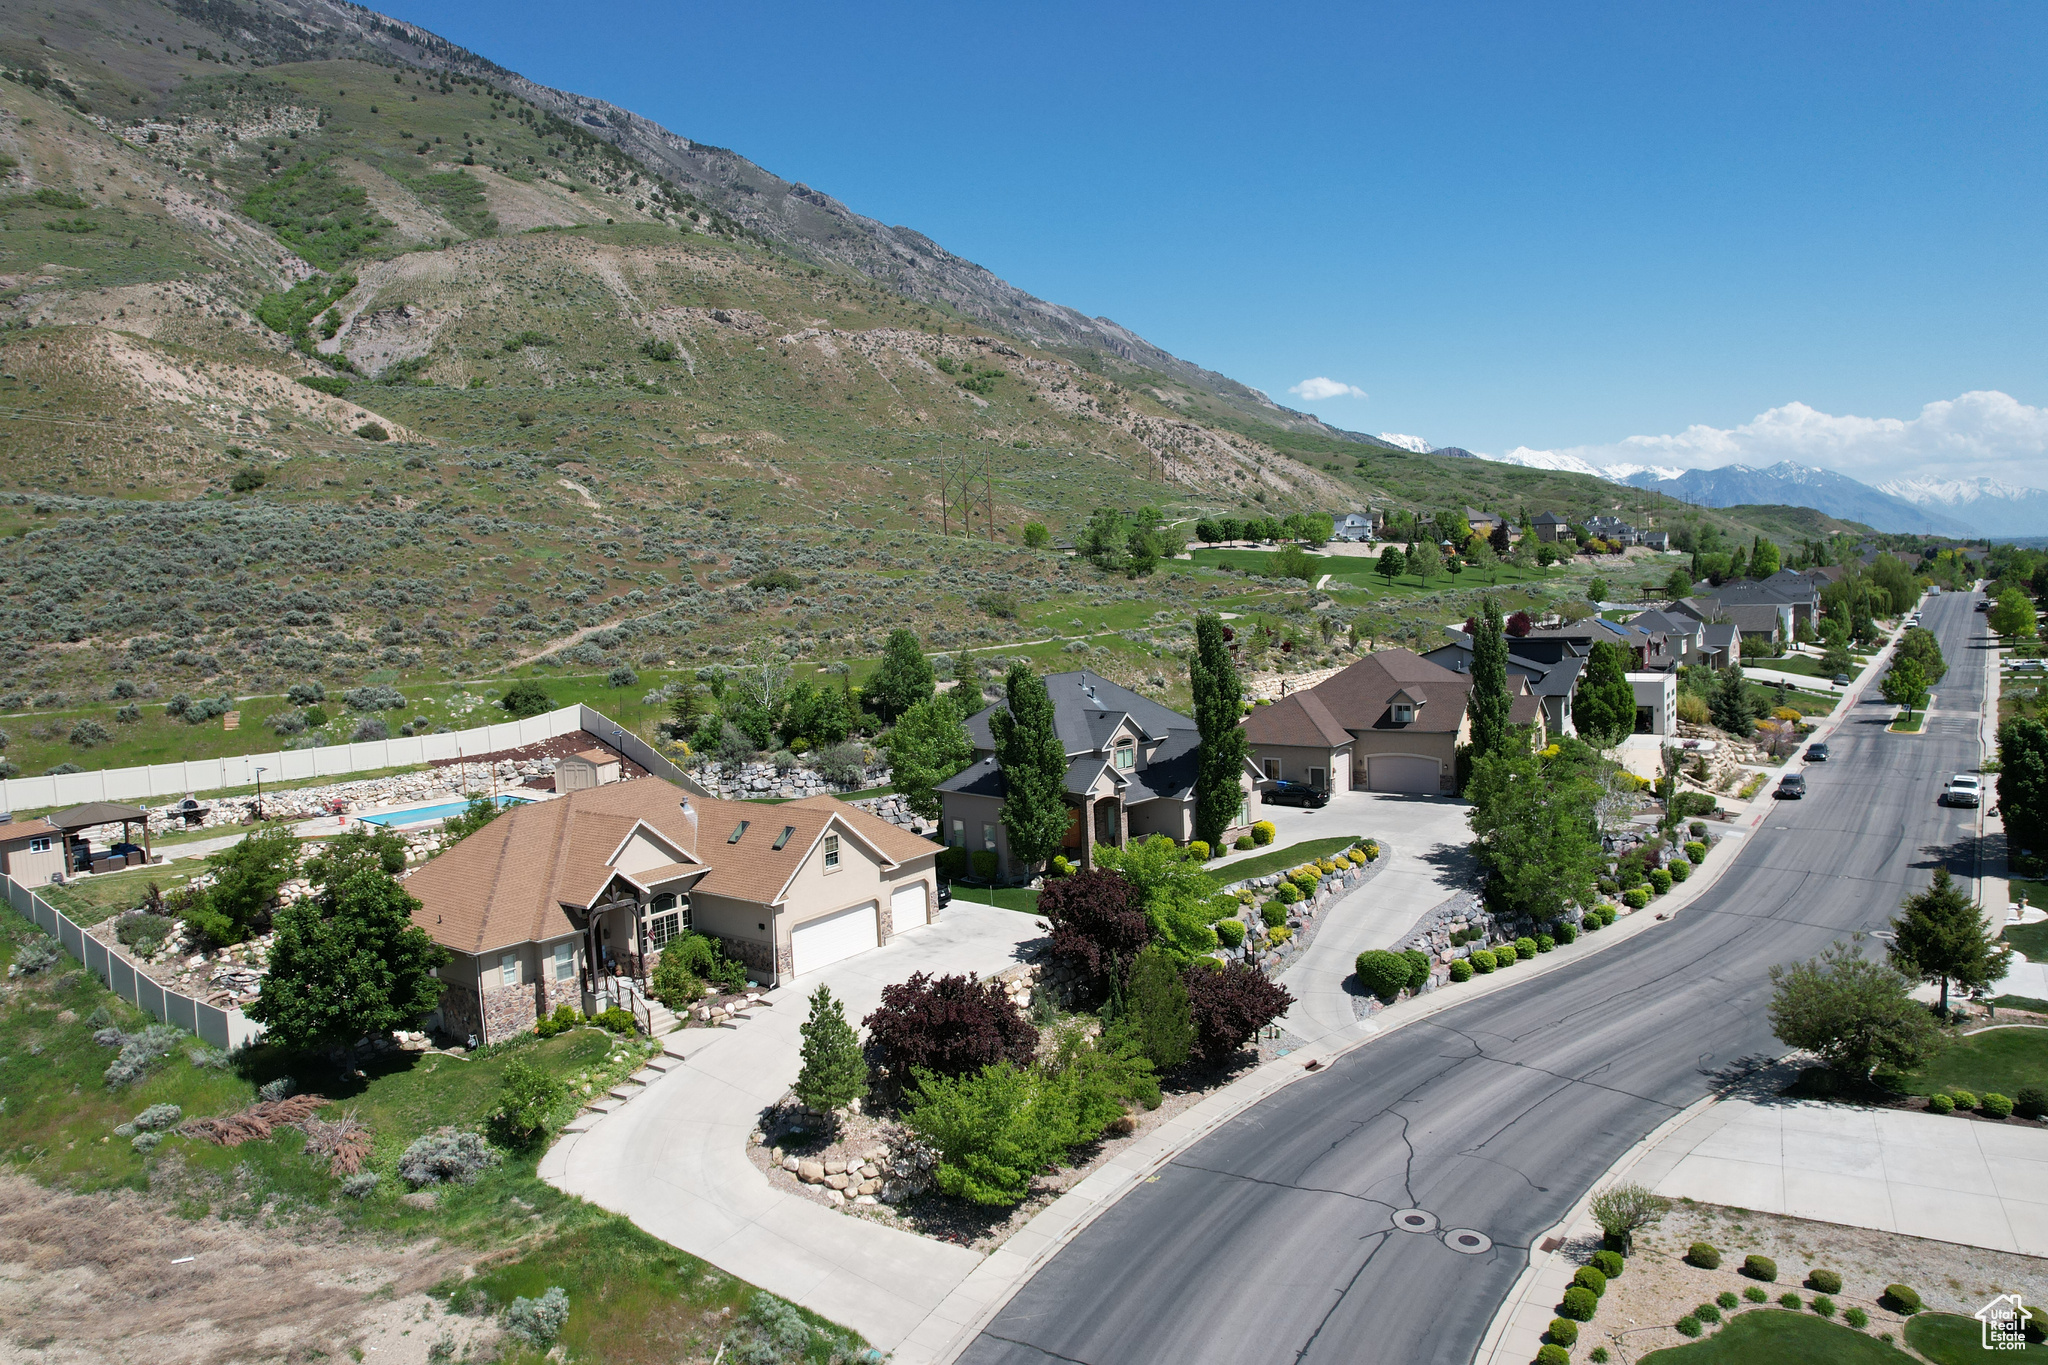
point(1551, 527)
point(1130, 775)
point(32, 852)
point(554, 900)
point(1392, 722)
point(1550, 669)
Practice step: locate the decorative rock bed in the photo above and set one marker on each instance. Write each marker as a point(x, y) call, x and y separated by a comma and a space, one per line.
point(743, 781)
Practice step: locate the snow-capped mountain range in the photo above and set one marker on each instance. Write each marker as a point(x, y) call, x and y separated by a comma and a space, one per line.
point(1952, 507)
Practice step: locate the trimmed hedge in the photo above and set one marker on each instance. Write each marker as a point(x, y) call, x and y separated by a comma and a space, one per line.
point(1566, 933)
point(1482, 961)
point(1580, 1304)
point(1997, 1106)
point(1230, 931)
point(1660, 880)
point(1704, 1255)
point(1563, 1332)
point(1419, 966)
point(1760, 1268)
point(1940, 1104)
point(1964, 1099)
point(1526, 948)
point(1461, 971)
point(1544, 943)
point(1547, 1354)
point(1589, 1278)
point(1901, 1299)
point(1679, 871)
point(1636, 898)
point(1273, 913)
point(2031, 1102)
point(1824, 1281)
point(1695, 852)
point(1608, 1263)
point(1383, 973)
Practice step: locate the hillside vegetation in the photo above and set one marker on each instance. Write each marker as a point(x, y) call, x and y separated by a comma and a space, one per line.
point(317, 363)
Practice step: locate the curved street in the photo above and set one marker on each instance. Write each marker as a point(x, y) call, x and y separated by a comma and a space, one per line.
point(1273, 1240)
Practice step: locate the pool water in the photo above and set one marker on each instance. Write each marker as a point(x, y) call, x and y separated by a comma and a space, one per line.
point(425, 815)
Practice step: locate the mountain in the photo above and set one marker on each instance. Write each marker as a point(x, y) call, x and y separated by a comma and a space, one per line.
point(1991, 507)
point(1557, 459)
point(1838, 495)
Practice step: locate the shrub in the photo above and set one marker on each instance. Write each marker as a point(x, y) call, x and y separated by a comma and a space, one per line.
point(984, 863)
point(372, 431)
point(1791, 1301)
point(370, 729)
point(614, 1020)
point(1625, 1210)
point(1097, 918)
point(1243, 842)
point(952, 863)
point(1587, 1277)
point(1482, 961)
point(1704, 1255)
point(1505, 955)
point(1608, 1263)
point(89, 733)
point(1545, 943)
point(315, 717)
point(1660, 881)
point(1823, 1305)
point(1997, 1106)
point(1756, 1295)
point(1964, 1099)
point(1547, 1354)
point(1856, 1318)
point(526, 1096)
point(565, 1016)
point(1565, 932)
point(1383, 973)
point(1940, 1104)
point(1419, 966)
point(1563, 1332)
point(1687, 1326)
point(2031, 1102)
point(1229, 1007)
point(526, 698)
point(1726, 1299)
point(1461, 971)
point(157, 1117)
point(1287, 893)
point(622, 676)
point(1760, 1268)
point(39, 954)
point(139, 1051)
point(1262, 833)
point(1901, 1299)
point(1526, 948)
point(142, 933)
point(1230, 932)
point(948, 1026)
point(1695, 851)
point(538, 1322)
point(1635, 897)
point(1707, 1312)
point(1679, 872)
point(145, 1143)
point(1824, 1281)
point(360, 1185)
point(449, 1155)
point(1198, 849)
point(995, 1128)
point(1580, 1304)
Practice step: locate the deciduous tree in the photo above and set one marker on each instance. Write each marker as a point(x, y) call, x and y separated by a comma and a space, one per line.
point(2023, 782)
point(1534, 831)
point(1904, 685)
point(1852, 1013)
point(904, 679)
point(1098, 922)
point(927, 746)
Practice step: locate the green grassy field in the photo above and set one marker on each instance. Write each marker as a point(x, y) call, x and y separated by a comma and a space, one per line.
point(1952, 1339)
point(1021, 899)
point(2029, 939)
point(1774, 1335)
point(2000, 1061)
point(1279, 859)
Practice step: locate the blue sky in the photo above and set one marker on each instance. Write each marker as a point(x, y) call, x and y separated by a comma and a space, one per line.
point(1555, 227)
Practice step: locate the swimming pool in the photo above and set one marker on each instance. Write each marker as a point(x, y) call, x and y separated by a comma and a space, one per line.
point(426, 815)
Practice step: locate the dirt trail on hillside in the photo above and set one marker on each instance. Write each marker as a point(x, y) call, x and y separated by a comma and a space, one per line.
point(86, 1279)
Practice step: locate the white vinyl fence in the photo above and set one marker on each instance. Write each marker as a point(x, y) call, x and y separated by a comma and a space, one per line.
point(333, 760)
point(228, 1029)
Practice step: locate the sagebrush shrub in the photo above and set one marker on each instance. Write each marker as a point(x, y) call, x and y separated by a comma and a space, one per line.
point(139, 1051)
point(157, 1117)
point(447, 1155)
point(39, 954)
point(538, 1322)
point(360, 1185)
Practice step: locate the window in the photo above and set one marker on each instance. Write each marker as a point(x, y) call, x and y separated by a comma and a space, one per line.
point(1404, 713)
point(1244, 812)
point(508, 969)
point(783, 837)
point(565, 961)
point(39, 844)
point(1126, 756)
point(831, 853)
point(988, 837)
point(1272, 766)
point(958, 839)
point(662, 928)
point(742, 829)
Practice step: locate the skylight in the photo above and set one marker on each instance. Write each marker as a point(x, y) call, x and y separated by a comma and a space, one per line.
point(742, 829)
point(783, 837)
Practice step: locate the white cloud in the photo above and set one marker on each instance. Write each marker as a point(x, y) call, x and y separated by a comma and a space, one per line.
point(1320, 388)
point(1983, 432)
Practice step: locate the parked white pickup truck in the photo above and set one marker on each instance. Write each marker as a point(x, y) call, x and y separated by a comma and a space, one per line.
point(1964, 789)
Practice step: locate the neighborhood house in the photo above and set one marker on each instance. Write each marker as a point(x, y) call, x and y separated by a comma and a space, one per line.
point(569, 899)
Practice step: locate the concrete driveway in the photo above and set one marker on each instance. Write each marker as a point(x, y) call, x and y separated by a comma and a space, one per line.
point(674, 1159)
point(1425, 837)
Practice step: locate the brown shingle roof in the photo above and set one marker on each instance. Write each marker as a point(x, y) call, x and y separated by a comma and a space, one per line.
point(508, 882)
point(597, 756)
point(1298, 719)
point(27, 829)
point(1358, 697)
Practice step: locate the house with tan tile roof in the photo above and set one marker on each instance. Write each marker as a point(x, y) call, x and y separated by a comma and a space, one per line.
point(563, 900)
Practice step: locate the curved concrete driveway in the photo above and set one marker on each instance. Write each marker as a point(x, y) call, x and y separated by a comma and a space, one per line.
point(674, 1159)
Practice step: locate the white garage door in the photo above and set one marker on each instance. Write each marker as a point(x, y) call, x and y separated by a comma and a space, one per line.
point(907, 907)
point(1395, 774)
point(834, 938)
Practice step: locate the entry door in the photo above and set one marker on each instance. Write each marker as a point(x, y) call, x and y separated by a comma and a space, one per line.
point(907, 907)
point(834, 938)
point(1400, 774)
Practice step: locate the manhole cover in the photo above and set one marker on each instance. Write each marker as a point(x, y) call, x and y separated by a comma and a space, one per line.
point(1467, 1241)
point(1415, 1220)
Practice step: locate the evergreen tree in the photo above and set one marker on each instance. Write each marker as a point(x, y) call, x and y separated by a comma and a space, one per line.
point(1941, 938)
point(1679, 584)
point(1034, 766)
point(1605, 709)
point(1730, 705)
point(1154, 1008)
point(2023, 782)
point(834, 1074)
point(928, 745)
point(1488, 703)
point(1738, 566)
point(904, 679)
point(1219, 706)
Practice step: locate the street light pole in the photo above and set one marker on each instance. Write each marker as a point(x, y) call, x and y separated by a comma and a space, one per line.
point(259, 791)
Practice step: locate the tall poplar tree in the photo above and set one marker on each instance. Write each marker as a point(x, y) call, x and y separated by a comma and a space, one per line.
point(1034, 766)
point(1219, 706)
point(1488, 703)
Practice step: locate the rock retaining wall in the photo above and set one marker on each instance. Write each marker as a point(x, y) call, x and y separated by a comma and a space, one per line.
point(742, 781)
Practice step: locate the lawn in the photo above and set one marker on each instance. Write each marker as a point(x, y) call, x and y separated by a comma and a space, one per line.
point(88, 900)
point(1002, 897)
point(2020, 1002)
point(1279, 859)
point(2003, 1061)
point(632, 1298)
point(1952, 1339)
point(1803, 664)
point(1767, 697)
point(2032, 892)
point(1772, 1334)
point(2030, 939)
point(1908, 725)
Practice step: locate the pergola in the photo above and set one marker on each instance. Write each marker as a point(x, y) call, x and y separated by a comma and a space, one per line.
point(100, 813)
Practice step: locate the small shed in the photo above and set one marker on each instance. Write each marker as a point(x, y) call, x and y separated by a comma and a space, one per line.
point(586, 769)
point(32, 852)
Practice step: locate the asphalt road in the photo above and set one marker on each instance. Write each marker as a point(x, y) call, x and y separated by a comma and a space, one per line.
point(1272, 1240)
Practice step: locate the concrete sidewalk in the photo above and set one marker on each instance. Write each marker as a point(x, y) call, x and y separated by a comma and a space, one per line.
point(674, 1159)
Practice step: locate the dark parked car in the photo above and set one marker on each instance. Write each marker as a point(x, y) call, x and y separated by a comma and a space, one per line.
point(1791, 787)
point(1841, 679)
point(1816, 753)
point(945, 894)
point(1296, 794)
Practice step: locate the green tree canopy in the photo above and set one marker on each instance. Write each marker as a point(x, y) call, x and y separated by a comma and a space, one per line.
point(1391, 563)
point(1034, 765)
point(1534, 829)
point(1730, 706)
point(1155, 1009)
point(928, 745)
point(1852, 1013)
point(1488, 703)
point(1605, 708)
point(1219, 707)
point(526, 698)
point(2013, 616)
point(1764, 559)
point(1941, 937)
point(834, 1073)
point(1178, 895)
point(1905, 685)
point(904, 679)
point(1425, 560)
point(1919, 645)
point(246, 878)
point(2023, 782)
